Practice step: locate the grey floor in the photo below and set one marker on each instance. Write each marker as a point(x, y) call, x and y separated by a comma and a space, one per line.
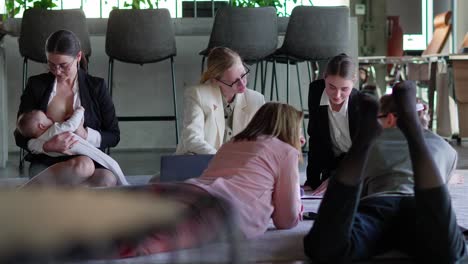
point(132, 162)
point(147, 162)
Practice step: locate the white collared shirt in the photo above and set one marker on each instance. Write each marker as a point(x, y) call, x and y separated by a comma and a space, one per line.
point(94, 137)
point(339, 125)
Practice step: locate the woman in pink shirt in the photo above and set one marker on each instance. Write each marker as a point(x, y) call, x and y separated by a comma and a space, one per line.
point(258, 170)
point(255, 175)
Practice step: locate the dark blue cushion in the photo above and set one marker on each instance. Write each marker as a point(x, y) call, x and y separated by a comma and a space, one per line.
point(182, 167)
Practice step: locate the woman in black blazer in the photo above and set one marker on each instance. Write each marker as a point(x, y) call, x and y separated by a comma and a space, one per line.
point(332, 118)
point(58, 93)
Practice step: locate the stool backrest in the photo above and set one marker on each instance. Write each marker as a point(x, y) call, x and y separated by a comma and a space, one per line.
point(317, 33)
point(37, 24)
point(140, 36)
point(251, 32)
point(442, 30)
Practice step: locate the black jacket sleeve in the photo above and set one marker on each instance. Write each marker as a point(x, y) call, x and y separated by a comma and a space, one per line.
point(317, 129)
point(110, 132)
point(99, 109)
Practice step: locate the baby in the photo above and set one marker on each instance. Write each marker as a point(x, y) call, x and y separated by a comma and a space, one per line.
point(36, 124)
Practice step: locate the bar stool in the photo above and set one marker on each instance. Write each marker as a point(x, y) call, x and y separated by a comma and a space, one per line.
point(140, 37)
point(313, 34)
point(251, 32)
point(36, 26)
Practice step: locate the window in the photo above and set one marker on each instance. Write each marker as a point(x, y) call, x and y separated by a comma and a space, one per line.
point(102, 8)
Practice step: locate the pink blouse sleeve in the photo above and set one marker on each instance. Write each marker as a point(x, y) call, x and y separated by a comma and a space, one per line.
point(286, 194)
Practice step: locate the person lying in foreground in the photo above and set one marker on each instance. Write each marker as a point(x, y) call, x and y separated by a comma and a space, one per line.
point(422, 225)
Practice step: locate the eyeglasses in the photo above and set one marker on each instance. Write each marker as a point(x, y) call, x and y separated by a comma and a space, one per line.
point(63, 67)
point(385, 115)
point(243, 78)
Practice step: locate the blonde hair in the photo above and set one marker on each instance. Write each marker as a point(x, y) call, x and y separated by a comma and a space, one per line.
point(279, 120)
point(219, 60)
point(27, 123)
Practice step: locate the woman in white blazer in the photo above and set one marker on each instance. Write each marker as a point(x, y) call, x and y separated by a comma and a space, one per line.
point(220, 107)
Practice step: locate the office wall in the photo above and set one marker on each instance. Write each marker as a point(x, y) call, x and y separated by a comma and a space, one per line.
point(409, 12)
point(440, 6)
point(461, 20)
point(371, 27)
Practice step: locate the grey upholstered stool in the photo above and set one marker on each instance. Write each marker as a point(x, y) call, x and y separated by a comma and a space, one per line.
point(36, 26)
point(251, 32)
point(313, 34)
point(140, 37)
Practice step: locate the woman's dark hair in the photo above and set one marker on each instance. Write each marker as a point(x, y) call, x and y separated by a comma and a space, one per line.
point(66, 43)
point(341, 65)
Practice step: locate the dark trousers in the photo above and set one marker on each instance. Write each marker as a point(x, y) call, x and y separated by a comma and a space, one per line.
point(423, 226)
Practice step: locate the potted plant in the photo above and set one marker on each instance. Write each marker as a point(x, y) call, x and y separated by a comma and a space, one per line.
point(277, 4)
point(136, 4)
point(14, 7)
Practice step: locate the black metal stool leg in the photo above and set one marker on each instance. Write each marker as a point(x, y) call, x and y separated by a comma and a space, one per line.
point(287, 80)
point(174, 100)
point(316, 69)
point(273, 73)
point(299, 86)
point(264, 76)
point(203, 64)
point(308, 70)
point(22, 153)
point(255, 78)
point(300, 99)
point(110, 78)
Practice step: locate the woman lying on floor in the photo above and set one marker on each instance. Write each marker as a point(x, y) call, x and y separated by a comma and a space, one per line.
point(257, 172)
point(422, 225)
